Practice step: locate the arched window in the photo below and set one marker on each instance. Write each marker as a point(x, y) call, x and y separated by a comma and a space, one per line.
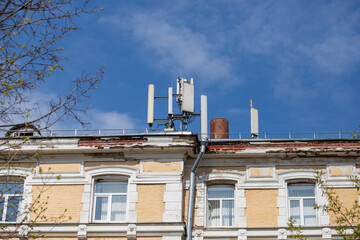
point(220, 205)
point(301, 200)
point(110, 197)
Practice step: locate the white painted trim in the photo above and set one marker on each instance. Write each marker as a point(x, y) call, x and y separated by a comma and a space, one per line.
point(239, 197)
point(27, 194)
point(282, 200)
point(153, 178)
point(86, 215)
point(173, 199)
point(109, 230)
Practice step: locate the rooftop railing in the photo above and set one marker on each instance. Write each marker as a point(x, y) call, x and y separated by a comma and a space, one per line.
point(287, 135)
point(264, 135)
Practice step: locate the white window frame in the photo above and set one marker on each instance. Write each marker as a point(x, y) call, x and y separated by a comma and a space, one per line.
point(301, 201)
point(6, 197)
point(221, 199)
point(109, 196)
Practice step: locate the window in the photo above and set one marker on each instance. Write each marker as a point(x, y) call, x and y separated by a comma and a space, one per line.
point(110, 201)
point(220, 205)
point(10, 199)
point(301, 203)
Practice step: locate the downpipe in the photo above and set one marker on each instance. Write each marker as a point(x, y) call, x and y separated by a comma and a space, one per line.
point(192, 190)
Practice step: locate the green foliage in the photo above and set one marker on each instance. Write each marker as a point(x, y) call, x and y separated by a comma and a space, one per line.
point(295, 230)
point(29, 53)
point(356, 134)
point(347, 219)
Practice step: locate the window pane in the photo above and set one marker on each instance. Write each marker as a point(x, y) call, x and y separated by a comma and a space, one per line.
point(221, 191)
point(118, 208)
point(301, 190)
point(295, 210)
point(111, 187)
point(228, 212)
point(11, 188)
point(214, 213)
point(12, 208)
point(309, 212)
point(101, 208)
point(2, 202)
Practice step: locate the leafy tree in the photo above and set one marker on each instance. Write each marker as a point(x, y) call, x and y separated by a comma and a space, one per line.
point(30, 31)
point(29, 54)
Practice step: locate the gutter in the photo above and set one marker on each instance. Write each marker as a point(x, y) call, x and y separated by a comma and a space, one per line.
point(192, 190)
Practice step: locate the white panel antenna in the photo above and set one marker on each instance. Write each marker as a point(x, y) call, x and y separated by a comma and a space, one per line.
point(150, 112)
point(203, 119)
point(184, 99)
point(254, 121)
point(170, 101)
point(179, 83)
point(187, 98)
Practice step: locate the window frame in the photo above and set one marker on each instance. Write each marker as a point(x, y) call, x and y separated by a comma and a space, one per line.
point(6, 196)
point(221, 199)
point(301, 202)
point(109, 178)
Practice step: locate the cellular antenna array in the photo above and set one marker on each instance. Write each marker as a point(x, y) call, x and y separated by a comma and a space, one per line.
point(184, 97)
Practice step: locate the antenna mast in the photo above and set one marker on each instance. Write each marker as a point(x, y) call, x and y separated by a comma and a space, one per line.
point(184, 97)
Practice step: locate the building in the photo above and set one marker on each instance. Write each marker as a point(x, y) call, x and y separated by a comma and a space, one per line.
point(136, 186)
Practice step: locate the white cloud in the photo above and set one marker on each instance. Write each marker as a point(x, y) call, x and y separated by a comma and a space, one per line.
point(335, 54)
point(178, 49)
point(98, 119)
point(110, 120)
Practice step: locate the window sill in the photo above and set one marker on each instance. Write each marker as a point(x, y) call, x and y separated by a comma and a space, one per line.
point(108, 222)
point(221, 227)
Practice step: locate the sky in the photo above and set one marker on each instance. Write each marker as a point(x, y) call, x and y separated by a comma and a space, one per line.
point(298, 60)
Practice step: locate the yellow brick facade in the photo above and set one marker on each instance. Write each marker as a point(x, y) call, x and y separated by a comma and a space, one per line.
point(59, 167)
point(157, 172)
point(91, 164)
point(260, 171)
point(150, 206)
point(185, 204)
point(63, 202)
point(341, 170)
point(261, 207)
point(347, 197)
point(153, 166)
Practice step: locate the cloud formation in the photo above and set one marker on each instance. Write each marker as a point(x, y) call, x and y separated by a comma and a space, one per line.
point(96, 118)
point(312, 47)
point(111, 120)
point(175, 48)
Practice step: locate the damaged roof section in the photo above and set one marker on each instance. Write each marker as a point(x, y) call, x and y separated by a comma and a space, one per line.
point(117, 142)
point(98, 143)
point(284, 146)
point(138, 141)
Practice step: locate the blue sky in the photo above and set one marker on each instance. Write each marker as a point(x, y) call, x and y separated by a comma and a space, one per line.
point(298, 60)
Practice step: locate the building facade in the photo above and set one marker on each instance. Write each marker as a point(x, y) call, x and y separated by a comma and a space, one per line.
point(137, 186)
